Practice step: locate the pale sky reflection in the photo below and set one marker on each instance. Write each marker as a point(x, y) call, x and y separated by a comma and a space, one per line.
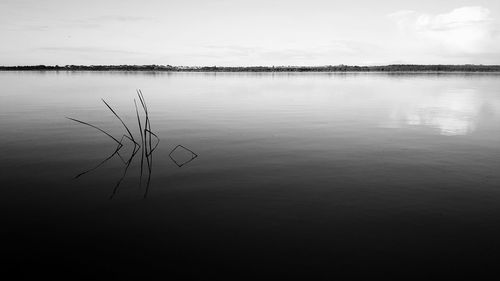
point(452, 113)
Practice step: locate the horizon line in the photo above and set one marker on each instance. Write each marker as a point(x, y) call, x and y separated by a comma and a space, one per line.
point(249, 66)
point(325, 68)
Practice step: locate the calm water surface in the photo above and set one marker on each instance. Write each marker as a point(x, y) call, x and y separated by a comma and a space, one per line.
point(295, 174)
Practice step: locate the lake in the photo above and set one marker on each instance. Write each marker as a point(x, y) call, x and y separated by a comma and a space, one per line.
point(295, 174)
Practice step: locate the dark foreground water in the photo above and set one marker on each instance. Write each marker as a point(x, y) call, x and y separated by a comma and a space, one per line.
point(297, 175)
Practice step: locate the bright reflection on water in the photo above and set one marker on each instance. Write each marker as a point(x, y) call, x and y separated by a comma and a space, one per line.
point(366, 167)
point(452, 112)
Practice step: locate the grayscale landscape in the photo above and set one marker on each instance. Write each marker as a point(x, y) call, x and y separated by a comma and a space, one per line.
point(229, 140)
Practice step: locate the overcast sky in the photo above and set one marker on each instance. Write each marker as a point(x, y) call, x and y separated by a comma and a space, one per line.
point(249, 32)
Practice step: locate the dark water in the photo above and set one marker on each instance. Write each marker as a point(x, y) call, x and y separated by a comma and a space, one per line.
point(296, 175)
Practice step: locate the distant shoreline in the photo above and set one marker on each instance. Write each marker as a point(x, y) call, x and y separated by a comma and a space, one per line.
point(328, 68)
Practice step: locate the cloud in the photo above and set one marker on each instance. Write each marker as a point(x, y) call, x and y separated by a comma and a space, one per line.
point(404, 18)
point(101, 21)
point(85, 23)
point(87, 50)
point(120, 18)
point(462, 31)
point(335, 51)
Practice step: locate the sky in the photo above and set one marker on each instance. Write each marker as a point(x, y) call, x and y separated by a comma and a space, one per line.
point(249, 32)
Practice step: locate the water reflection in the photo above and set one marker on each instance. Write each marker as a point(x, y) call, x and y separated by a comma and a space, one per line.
point(147, 146)
point(452, 113)
point(182, 155)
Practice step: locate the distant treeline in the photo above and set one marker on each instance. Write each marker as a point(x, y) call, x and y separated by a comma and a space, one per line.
point(327, 68)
